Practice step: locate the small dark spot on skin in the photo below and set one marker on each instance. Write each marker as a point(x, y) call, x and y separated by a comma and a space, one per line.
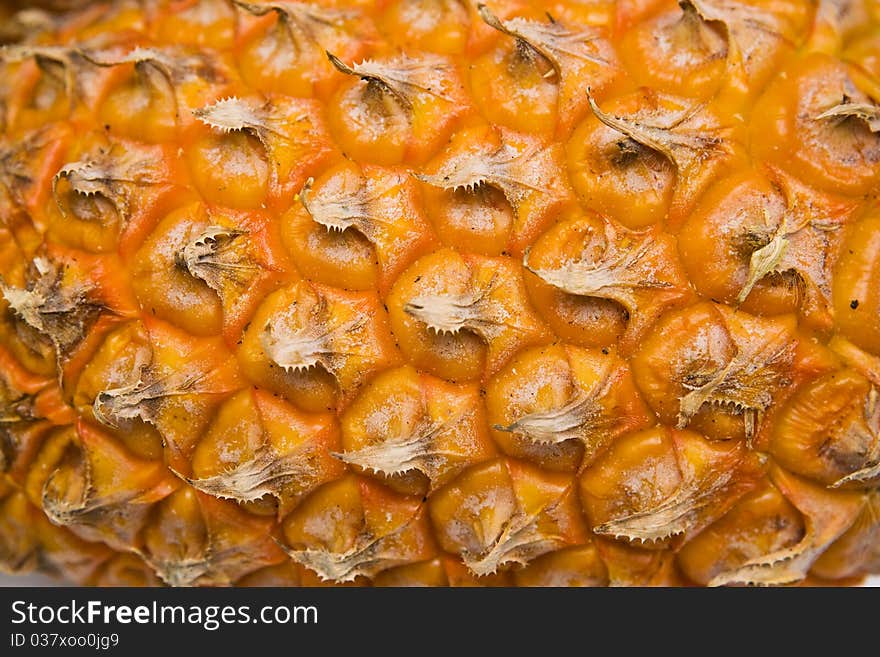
point(106, 126)
point(605, 350)
point(418, 278)
point(854, 304)
point(424, 498)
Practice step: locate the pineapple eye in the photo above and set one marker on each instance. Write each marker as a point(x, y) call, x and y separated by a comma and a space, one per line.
point(480, 221)
point(691, 139)
point(162, 278)
point(413, 432)
point(264, 454)
point(51, 83)
point(194, 539)
point(825, 515)
point(535, 82)
point(256, 150)
point(288, 57)
point(560, 407)
point(678, 52)
point(519, 166)
point(79, 489)
point(107, 193)
point(126, 569)
point(396, 109)
point(830, 431)
point(453, 316)
point(56, 307)
point(502, 513)
point(614, 173)
point(708, 358)
point(316, 345)
point(660, 486)
point(762, 522)
point(823, 109)
point(232, 169)
point(352, 529)
point(778, 244)
point(152, 91)
point(595, 259)
point(357, 228)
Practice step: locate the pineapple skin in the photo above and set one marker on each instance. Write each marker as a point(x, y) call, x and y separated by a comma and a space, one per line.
point(440, 293)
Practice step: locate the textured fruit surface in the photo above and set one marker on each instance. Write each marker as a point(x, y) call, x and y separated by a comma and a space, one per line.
point(440, 292)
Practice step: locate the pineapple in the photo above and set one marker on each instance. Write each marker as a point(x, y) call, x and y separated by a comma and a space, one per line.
point(440, 292)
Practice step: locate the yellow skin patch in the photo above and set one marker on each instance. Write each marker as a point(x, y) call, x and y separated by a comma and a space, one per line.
point(440, 292)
